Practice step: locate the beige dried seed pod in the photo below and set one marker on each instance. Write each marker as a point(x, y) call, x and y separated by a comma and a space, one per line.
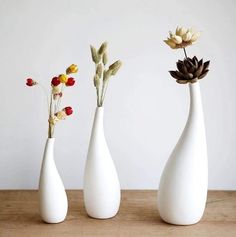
point(104, 58)
point(107, 74)
point(99, 70)
point(94, 54)
point(114, 71)
point(104, 74)
point(102, 48)
point(99, 57)
point(115, 65)
point(96, 81)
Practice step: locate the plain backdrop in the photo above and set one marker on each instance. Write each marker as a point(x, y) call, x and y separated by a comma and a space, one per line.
point(145, 109)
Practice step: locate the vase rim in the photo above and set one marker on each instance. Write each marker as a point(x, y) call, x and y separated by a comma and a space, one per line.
point(51, 138)
point(194, 84)
point(100, 107)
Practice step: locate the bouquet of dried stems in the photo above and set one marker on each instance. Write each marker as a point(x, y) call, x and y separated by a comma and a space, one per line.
point(58, 84)
point(103, 73)
point(189, 70)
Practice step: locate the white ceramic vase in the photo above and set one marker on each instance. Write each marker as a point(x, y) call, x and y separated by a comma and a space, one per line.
point(101, 183)
point(183, 187)
point(53, 202)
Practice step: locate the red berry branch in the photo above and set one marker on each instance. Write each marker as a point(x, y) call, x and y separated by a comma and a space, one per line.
point(58, 84)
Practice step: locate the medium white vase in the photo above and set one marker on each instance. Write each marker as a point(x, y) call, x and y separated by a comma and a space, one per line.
point(183, 187)
point(53, 202)
point(101, 183)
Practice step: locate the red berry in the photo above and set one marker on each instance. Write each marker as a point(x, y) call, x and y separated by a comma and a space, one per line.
point(68, 110)
point(55, 81)
point(70, 81)
point(30, 82)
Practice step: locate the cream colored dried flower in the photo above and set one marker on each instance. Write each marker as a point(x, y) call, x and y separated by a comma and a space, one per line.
point(56, 90)
point(61, 115)
point(182, 38)
point(53, 120)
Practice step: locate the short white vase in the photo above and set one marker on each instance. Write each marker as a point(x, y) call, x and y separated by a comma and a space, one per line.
point(101, 183)
point(183, 187)
point(53, 202)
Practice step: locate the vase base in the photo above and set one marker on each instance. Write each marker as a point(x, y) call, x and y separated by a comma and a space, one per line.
point(53, 222)
point(100, 217)
point(180, 223)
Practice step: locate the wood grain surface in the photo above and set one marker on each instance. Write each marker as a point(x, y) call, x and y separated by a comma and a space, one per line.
point(138, 216)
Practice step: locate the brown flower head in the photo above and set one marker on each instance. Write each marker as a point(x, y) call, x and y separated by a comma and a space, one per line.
point(190, 70)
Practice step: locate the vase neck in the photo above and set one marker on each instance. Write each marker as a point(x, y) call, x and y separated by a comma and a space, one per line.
point(195, 97)
point(98, 119)
point(195, 110)
point(51, 140)
point(49, 150)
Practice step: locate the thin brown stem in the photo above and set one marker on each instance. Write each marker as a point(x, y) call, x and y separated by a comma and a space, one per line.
point(49, 130)
point(97, 97)
point(185, 53)
point(51, 114)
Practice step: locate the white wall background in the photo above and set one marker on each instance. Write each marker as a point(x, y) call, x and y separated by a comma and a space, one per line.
point(145, 110)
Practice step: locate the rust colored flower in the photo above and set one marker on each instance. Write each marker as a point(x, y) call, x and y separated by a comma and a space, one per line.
point(30, 82)
point(70, 81)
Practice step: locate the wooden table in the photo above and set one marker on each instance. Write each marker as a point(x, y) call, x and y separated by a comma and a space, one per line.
point(138, 216)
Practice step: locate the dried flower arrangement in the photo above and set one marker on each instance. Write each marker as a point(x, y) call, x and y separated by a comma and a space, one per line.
point(58, 84)
point(190, 70)
point(102, 73)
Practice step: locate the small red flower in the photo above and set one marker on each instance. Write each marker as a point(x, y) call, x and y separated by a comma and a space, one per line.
point(55, 81)
point(30, 82)
point(70, 81)
point(68, 110)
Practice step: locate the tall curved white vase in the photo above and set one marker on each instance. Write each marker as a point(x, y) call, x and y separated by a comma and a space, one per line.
point(101, 183)
point(53, 202)
point(183, 187)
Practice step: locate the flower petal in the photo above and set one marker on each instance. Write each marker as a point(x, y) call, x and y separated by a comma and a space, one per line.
point(195, 36)
point(187, 37)
point(170, 43)
point(176, 39)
